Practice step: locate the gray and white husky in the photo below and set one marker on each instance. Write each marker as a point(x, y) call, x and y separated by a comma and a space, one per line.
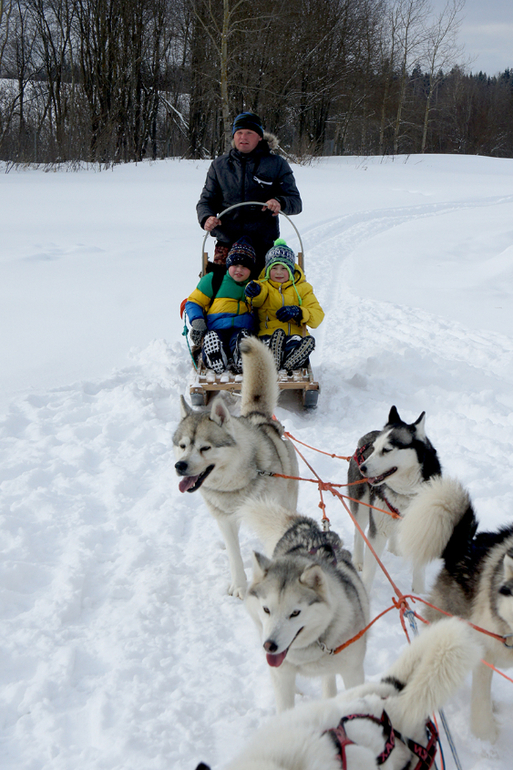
point(392, 465)
point(228, 458)
point(376, 725)
point(475, 582)
point(306, 601)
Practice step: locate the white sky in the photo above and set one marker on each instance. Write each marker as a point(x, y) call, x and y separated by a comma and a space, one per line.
point(486, 33)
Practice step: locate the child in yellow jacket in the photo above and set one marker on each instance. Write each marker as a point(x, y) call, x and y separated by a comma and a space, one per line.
point(286, 305)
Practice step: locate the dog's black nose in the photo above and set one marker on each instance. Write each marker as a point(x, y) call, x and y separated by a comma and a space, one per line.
point(181, 467)
point(363, 469)
point(270, 646)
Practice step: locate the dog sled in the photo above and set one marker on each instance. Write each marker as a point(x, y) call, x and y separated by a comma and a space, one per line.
point(206, 382)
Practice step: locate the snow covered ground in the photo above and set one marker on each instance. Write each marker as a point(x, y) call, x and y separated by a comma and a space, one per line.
point(120, 648)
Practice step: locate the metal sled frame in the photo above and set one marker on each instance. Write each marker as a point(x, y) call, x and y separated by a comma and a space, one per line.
point(207, 381)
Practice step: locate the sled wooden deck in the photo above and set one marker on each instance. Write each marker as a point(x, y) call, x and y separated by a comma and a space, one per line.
point(206, 382)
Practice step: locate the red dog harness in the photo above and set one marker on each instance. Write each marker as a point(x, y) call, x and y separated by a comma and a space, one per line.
point(425, 754)
point(359, 458)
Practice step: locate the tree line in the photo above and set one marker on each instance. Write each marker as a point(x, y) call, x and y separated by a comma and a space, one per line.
point(122, 80)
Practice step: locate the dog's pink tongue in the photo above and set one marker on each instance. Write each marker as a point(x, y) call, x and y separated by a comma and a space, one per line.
point(276, 660)
point(187, 482)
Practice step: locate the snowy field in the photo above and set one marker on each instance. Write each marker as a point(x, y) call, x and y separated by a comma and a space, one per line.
point(120, 648)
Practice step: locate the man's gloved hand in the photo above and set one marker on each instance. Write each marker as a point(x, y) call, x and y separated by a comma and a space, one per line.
point(253, 289)
point(198, 329)
point(289, 313)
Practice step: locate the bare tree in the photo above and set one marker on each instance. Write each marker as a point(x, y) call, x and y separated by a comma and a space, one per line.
point(53, 20)
point(410, 18)
point(441, 53)
point(223, 23)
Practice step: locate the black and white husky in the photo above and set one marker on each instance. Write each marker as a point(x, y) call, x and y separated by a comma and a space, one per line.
point(475, 582)
point(392, 465)
point(378, 725)
point(230, 459)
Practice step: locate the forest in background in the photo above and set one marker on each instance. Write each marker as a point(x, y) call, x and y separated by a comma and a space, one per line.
point(108, 81)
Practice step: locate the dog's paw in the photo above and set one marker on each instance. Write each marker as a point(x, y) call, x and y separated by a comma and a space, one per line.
point(485, 727)
point(237, 590)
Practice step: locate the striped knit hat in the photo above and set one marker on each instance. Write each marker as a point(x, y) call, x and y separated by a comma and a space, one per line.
point(281, 253)
point(241, 253)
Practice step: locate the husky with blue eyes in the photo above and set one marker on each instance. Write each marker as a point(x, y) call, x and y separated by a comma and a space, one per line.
point(391, 465)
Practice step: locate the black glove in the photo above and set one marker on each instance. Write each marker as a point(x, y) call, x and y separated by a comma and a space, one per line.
point(253, 289)
point(289, 313)
point(198, 329)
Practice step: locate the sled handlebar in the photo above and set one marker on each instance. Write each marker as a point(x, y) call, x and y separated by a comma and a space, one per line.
point(254, 203)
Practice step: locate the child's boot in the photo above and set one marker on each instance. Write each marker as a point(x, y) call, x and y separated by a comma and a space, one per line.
point(299, 356)
point(276, 344)
point(213, 353)
point(237, 358)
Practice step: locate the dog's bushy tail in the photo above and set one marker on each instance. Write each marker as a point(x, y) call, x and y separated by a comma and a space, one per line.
point(268, 520)
point(260, 389)
point(431, 669)
point(441, 514)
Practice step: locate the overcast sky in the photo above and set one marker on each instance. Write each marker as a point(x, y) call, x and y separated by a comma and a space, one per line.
point(487, 34)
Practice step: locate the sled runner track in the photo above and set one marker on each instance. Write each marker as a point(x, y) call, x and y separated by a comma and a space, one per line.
point(358, 226)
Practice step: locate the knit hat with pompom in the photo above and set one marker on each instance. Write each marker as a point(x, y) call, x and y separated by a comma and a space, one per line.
point(282, 254)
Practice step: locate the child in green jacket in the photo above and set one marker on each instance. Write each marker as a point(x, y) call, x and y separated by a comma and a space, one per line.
point(220, 322)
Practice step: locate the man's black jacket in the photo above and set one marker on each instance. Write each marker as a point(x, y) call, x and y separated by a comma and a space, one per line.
point(256, 176)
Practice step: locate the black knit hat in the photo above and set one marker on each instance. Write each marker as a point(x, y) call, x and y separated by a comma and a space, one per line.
point(250, 121)
point(241, 253)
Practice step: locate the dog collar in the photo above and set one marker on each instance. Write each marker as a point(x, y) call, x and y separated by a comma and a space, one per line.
point(425, 754)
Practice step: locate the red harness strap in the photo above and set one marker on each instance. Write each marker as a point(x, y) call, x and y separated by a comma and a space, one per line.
point(359, 455)
point(425, 754)
point(359, 458)
point(340, 739)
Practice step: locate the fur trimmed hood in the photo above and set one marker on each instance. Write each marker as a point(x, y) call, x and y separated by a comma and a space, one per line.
point(271, 140)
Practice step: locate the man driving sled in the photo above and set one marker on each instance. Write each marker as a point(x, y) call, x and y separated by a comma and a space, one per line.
point(250, 171)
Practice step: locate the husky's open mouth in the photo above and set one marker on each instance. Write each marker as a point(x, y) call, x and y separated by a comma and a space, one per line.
point(375, 480)
point(192, 483)
point(276, 659)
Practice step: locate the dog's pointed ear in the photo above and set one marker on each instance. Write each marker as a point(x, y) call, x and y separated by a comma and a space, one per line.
point(419, 425)
point(203, 766)
point(260, 565)
point(219, 412)
point(185, 409)
point(393, 416)
point(313, 577)
point(508, 566)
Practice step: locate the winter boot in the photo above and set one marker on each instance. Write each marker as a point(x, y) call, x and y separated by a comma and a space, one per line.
point(276, 344)
point(237, 358)
point(213, 353)
point(299, 356)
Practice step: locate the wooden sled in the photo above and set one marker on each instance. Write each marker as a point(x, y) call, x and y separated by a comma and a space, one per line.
point(206, 382)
